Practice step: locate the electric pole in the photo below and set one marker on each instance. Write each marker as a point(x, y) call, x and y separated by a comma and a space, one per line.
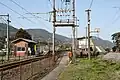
point(73, 29)
point(60, 19)
point(88, 13)
point(8, 45)
point(54, 20)
point(76, 24)
point(86, 40)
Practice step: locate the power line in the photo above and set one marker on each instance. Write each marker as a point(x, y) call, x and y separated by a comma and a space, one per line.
point(17, 21)
point(91, 4)
point(18, 5)
point(50, 3)
point(28, 12)
point(116, 14)
point(5, 21)
point(24, 8)
point(16, 12)
point(116, 19)
point(37, 17)
point(117, 11)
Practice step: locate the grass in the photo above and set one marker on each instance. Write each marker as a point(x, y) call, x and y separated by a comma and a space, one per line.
point(94, 69)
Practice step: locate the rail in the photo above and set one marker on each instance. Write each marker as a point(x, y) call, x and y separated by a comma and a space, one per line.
point(17, 63)
point(30, 68)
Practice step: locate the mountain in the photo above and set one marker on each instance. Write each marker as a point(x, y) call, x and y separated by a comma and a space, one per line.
point(3, 30)
point(41, 34)
point(37, 34)
point(100, 42)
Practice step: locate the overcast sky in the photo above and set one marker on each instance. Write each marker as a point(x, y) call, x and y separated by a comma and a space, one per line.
point(103, 16)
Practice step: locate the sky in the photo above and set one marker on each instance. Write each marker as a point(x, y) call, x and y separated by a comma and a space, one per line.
point(104, 15)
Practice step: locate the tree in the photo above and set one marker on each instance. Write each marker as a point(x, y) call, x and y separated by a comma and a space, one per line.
point(2, 42)
point(116, 40)
point(22, 34)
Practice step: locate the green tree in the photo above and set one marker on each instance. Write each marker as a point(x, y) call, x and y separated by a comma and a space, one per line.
point(116, 40)
point(22, 34)
point(2, 42)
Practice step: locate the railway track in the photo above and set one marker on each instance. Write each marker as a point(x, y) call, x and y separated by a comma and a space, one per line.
point(11, 65)
point(7, 68)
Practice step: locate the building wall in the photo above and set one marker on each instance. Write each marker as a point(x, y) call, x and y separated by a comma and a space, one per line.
point(43, 47)
point(83, 43)
point(21, 44)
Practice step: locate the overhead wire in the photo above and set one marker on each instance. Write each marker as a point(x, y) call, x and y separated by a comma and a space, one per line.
point(5, 21)
point(116, 14)
point(116, 19)
point(91, 4)
point(25, 9)
point(16, 12)
point(15, 2)
point(50, 3)
point(50, 13)
point(17, 22)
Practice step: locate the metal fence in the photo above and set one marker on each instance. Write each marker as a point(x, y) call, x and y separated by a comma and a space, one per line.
point(29, 69)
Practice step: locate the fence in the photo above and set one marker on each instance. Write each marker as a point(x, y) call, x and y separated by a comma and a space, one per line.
point(29, 69)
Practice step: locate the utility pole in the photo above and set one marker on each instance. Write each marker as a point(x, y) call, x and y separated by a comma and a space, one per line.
point(59, 21)
point(54, 20)
point(73, 29)
point(49, 44)
point(76, 24)
point(8, 46)
point(86, 39)
point(88, 13)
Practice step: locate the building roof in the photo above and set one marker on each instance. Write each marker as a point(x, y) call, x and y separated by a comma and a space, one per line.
point(22, 39)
